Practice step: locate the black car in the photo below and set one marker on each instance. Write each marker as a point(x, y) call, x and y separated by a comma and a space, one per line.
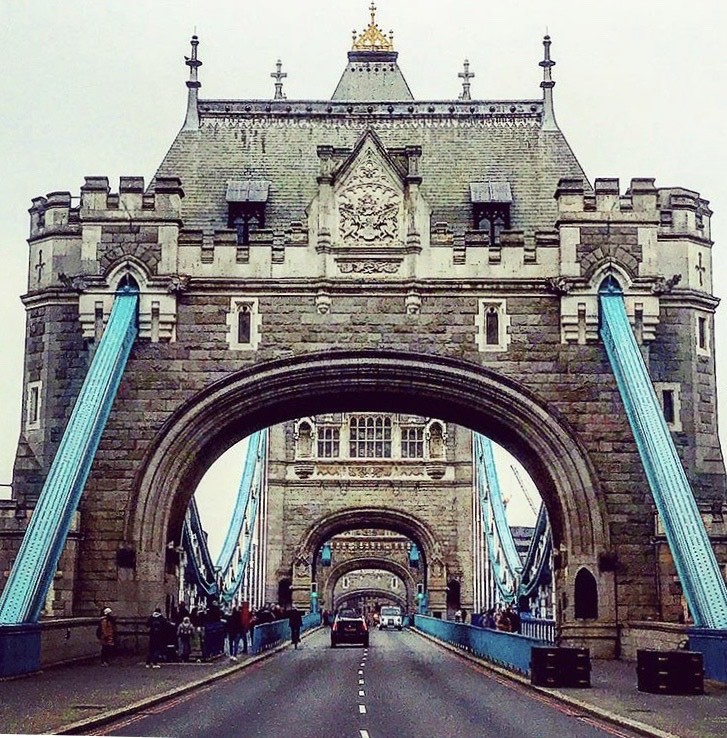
point(349, 627)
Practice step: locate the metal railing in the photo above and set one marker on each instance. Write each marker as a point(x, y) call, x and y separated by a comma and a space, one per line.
point(269, 635)
point(511, 650)
point(540, 629)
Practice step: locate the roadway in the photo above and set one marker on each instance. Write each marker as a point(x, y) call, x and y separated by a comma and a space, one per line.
point(403, 686)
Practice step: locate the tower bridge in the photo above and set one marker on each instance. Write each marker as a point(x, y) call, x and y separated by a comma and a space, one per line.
point(293, 262)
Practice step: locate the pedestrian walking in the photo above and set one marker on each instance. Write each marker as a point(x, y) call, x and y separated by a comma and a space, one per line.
point(295, 620)
point(246, 623)
point(234, 631)
point(106, 634)
point(156, 624)
point(185, 631)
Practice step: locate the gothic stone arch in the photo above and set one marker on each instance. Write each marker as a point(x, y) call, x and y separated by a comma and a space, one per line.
point(454, 390)
point(434, 558)
point(372, 562)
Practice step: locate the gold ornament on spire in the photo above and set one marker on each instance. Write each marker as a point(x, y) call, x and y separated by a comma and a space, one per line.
point(373, 39)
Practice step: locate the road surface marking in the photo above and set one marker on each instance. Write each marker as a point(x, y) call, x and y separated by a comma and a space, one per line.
point(361, 693)
point(362, 709)
point(360, 671)
point(360, 681)
point(364, 733)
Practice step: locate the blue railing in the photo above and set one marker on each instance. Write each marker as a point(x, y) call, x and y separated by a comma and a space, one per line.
point(511, 650)
point(269, 635)
point(35, 565)
point(701, 578)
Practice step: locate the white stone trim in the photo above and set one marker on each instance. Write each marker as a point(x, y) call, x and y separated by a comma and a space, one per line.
point(503, 325)
point(706, 349)
point(238, 305)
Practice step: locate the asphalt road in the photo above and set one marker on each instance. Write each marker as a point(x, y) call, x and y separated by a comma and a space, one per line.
point(403, 686)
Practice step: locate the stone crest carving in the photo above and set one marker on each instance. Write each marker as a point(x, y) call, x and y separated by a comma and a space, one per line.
point(368, 267)
point(368, 206)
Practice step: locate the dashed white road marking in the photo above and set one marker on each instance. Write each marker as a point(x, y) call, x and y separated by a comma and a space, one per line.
point(360, 671)
point(362, 709)
point(361, 693)
point(360, 681)
point(364, 733)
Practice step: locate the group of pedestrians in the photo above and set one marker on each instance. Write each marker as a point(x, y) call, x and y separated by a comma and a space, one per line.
point(179, 636)
point(505, 619)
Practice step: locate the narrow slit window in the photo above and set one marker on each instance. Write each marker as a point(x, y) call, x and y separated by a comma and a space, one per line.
point(492, 327)
point(702, 332)
point(34, 405)
point(667, 402)
point(244, 324)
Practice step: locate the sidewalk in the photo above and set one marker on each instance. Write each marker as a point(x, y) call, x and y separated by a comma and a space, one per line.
point(65, 698)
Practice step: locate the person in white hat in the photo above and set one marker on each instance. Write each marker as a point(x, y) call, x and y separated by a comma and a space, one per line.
point(106, 633)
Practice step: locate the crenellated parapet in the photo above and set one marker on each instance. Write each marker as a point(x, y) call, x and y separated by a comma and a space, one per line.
point(87, 244)
point(652, 239)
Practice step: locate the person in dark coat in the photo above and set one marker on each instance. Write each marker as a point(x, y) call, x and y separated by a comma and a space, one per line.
point(234, 631)
point(295, 618)
point(157, 638)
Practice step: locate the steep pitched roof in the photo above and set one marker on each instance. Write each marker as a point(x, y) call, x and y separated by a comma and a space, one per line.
point(372, 75)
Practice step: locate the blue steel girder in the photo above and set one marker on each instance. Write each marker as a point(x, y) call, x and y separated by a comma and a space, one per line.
point(22, 598)
point(696, 565)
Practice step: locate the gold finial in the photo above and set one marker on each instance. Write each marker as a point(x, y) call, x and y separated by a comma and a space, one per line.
point(373, 39)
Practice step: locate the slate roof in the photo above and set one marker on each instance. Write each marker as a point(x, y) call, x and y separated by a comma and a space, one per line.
point(462, 142)
point(371, 75)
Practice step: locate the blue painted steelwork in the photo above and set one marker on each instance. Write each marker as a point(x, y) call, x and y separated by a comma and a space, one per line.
point(257, 480)
point(199, 569)
point(241, 504)
point(536, 567)
point(35, 565)
point(326, 554)
point(704, 587)
point(712, 644)
point(506, 569)
point(510, 650)
point(414, 556)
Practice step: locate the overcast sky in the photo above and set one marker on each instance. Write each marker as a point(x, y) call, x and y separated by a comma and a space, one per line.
point(97, 88)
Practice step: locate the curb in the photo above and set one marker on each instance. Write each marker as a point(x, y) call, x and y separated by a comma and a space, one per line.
point(118, 712)
point(611, 717)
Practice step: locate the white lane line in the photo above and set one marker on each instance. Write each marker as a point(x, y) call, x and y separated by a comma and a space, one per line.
point(362, 709)
point(364, 733)
point(360, 671)
point(360, 681)
point(361, 693)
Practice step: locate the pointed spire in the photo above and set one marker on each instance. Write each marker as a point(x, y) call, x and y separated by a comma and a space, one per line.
point(279, 76)
point(191, 122)
point(549, 122)
point(466, 76)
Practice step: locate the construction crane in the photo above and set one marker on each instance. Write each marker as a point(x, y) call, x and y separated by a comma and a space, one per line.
point(528, 495)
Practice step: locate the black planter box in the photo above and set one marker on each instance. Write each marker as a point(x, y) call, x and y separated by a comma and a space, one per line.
point(560, 667)
point(670, 672)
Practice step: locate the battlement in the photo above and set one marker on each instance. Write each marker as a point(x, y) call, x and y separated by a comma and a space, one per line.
point(59, 213)
point(678, 211)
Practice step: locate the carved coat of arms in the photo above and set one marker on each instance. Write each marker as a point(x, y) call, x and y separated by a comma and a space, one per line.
point(368, 206)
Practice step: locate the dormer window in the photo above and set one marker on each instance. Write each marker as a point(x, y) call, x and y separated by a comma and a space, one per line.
point(246, 200)
point(491, 203)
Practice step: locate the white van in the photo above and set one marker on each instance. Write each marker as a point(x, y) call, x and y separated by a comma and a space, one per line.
point(390, 617)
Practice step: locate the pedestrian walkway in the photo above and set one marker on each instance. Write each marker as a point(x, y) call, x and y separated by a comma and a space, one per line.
point(613, 696)
point(69, 699)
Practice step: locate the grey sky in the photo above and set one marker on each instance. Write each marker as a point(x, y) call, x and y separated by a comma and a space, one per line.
point(97, 87)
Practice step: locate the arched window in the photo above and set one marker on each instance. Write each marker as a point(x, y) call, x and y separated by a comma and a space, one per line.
point(586, 595)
